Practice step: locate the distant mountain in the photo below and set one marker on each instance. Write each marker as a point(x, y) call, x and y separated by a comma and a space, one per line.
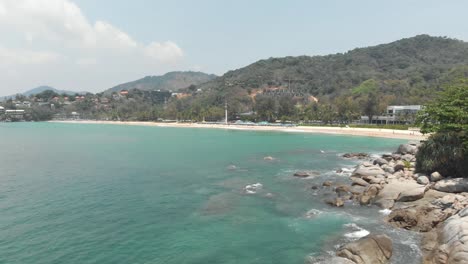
point(169, 81)
point(411, 69)
point(41, 89)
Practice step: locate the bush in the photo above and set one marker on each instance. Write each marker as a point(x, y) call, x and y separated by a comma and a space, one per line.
point(445, 153)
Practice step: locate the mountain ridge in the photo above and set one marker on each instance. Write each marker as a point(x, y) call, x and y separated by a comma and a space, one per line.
point(174, 80)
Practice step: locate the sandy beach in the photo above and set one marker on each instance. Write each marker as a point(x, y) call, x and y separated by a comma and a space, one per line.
point(368, 132)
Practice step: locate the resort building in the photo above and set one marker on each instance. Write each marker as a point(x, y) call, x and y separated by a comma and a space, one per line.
point(396, 114)
point(15, 114)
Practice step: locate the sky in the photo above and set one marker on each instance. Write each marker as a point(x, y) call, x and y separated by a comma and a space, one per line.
point(92, 45)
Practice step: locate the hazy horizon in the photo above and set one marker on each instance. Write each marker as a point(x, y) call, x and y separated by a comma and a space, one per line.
point(57, 43)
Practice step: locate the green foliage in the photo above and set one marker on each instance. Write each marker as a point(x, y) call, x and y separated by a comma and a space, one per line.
point(445, 153)
point(407, 164)
point(366, 87)
point(446, 150)
point(449, 113)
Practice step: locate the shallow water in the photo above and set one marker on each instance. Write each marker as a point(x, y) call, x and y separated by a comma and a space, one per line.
point(75, 193)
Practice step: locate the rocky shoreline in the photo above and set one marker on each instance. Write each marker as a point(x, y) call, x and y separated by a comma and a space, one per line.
point(435, 205)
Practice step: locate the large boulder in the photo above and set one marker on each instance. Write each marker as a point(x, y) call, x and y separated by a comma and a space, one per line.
point(452, 240)
point(419, 218)
point(359, 181)
point(380, 161)
point(422, 180)
point(435, 176)
point(371, 249)
point(338, 202)
point(412, 194)
point(455, 185)
point(408, 157)
point(407, 149)
point(368, 171)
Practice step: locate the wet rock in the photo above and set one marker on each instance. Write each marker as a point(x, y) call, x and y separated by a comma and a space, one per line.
point(358, 181)
point(422, 180)
point(342, 189)
point(364, 199)
point(435, 176)
point(302, 174)
point(455, 185)
point(412, 194)
point(314, 187)
point(356, 155)
point(372, 190)
point(338, 202)
point(407, 149)
point(327, 183)
point(371, 249)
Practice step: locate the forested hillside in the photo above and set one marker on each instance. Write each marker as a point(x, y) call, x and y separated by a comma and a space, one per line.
point(410, 69)
point(169, 81)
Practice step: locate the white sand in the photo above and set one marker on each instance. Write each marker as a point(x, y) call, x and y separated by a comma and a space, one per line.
point(369, 132)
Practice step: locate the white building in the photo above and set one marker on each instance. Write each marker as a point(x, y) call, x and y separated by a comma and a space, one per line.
point(396, 114)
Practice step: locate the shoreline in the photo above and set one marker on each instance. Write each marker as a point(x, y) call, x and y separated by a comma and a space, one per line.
point(367, 132)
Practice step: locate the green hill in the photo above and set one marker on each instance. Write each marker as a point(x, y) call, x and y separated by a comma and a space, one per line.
point(411, 69)
point(169, 81)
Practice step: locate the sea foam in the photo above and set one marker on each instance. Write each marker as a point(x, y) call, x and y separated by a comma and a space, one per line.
point(358, 233)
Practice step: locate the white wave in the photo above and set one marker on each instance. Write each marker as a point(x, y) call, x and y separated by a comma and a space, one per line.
point(312, 213)
point(385, 211)
point(253, 188)
point(360, 232)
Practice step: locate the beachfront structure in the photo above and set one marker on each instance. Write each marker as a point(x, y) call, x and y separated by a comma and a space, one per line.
point(15, 114)
point(2, 110)
point(396, 114)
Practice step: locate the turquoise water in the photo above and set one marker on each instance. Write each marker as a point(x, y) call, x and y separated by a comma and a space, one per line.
point(75, 193)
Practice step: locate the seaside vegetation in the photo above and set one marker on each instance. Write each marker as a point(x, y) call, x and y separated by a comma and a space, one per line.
point(446, 149)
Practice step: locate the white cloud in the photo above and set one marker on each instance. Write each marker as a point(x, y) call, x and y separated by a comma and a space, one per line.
point(166, 52)
point(13, 57)
point(45, 31)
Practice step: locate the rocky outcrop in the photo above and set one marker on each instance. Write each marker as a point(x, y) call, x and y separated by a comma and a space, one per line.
point(338, 202)
point(368, 171)
point(412, 194)
point(407, 149)
point(371, 249)
point(302, 174)
point(451, 243)
point(356, 155)
point(455, 185)
point(431, 204)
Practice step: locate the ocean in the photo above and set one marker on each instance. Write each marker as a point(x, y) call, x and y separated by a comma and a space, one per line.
point(88, 193)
